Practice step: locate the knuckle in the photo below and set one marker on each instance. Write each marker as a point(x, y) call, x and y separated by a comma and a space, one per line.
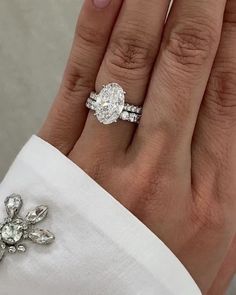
point(191, 44)
point(221, 91)
point(154, 194)
point(97, 169)
point(76, 83)
point(209, 215)
point(166, 128)
point(129, 52)
point(152, 185)
point(230, 14)
point(97, 172)
point(89, 36)
point(96, 162)
point(78, 79)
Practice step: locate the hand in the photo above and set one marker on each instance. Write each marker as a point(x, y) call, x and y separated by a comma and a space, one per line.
point(176, 171)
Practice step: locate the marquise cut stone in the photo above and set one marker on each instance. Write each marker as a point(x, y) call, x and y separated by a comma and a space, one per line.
point(110, 103)
point(37, 215)
point(41, 236)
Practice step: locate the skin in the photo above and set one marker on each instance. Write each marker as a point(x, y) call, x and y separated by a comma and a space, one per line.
point(225, 274)
point(176, 171)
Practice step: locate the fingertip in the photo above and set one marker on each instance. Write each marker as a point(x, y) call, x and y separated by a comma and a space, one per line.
point(101, 3)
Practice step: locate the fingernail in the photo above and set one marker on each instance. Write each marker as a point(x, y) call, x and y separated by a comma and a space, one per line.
point(101, 3)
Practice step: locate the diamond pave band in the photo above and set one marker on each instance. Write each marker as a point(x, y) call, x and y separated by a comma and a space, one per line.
point(109, 105)
point(15, 229)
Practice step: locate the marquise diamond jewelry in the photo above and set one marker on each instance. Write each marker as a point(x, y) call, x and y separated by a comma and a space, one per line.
point(109, 105)
point(15, 229)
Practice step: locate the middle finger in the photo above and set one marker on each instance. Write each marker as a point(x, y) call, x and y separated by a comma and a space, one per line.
point(179, 80)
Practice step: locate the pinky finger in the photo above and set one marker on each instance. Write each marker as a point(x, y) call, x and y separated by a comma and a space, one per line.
point(68, 114)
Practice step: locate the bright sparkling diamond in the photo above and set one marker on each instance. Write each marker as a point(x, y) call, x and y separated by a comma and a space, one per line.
point(110, 103)
point(124, 115)
point(12, 233)
point(12, 249)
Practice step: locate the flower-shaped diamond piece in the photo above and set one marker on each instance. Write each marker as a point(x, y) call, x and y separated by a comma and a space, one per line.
point(15, 229)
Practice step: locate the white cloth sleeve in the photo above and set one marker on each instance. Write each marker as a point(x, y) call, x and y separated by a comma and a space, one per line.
point(100, 247)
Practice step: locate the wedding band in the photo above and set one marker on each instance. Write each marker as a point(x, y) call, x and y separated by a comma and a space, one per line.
point(109, 105)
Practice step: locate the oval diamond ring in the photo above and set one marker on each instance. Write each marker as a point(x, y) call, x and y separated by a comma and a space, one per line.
point(109, 105)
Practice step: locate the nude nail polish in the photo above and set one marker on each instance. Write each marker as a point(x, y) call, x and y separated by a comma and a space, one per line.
point(101, 3)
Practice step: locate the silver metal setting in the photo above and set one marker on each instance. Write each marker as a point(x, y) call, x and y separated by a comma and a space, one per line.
point(109, 105)
point(15, 229)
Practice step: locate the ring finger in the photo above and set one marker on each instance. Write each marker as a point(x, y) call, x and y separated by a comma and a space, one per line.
point(68, 115)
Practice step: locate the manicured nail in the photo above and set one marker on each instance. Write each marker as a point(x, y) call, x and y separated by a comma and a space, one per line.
point(101, 3)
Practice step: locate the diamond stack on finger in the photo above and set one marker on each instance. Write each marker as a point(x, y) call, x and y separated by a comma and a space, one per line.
point(109, 105)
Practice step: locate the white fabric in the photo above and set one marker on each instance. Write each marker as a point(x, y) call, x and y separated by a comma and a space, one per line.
point(100, 247)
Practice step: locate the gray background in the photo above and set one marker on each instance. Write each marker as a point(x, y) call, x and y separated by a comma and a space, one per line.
point(35, 40)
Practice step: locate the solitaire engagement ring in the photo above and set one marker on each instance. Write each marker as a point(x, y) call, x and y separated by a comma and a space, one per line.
point(109, 105)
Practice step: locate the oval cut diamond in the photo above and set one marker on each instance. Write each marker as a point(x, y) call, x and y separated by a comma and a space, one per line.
point(110, 103)
point(12, 233)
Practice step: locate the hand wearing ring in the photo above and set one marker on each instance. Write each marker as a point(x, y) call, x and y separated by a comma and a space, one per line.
point(175, 74)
